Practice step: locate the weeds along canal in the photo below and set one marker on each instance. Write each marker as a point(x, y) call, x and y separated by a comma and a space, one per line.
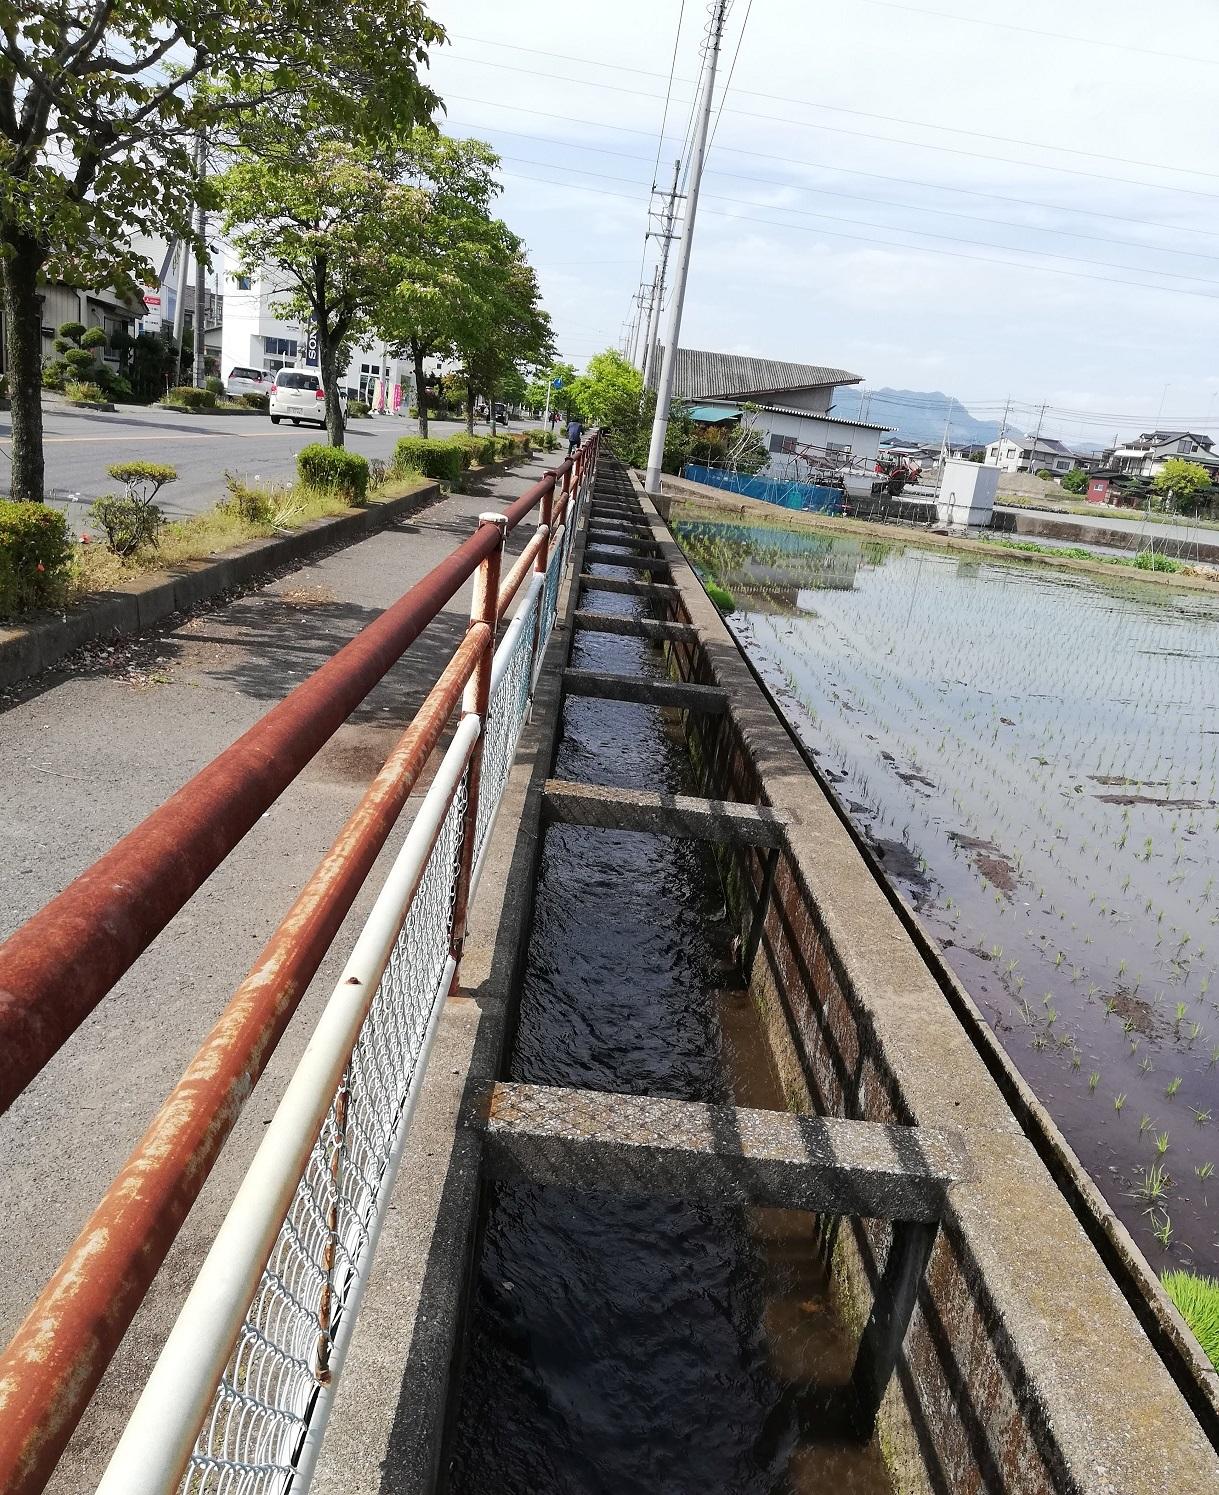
point(641, 1344)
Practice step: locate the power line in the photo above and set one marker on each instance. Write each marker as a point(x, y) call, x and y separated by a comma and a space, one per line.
point(731, 70)
point(953, 150)
point(744, 202)
point(894, 119)
point(857, 197)
point(889, 244)
point(681, 15)
point(1062, 36)
point(736, 150)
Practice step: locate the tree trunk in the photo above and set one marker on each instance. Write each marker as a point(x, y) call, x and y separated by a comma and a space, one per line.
point(420, 396)
point(470, 406)
point(21, 259)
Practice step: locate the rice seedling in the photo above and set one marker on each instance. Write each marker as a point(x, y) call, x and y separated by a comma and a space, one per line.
point(1119, 1100)
point(1153, 1185)
point(1145, 1124)
point(1161, 1143)
point(1161, 1228)
point(1197, 1301)
point(1094, 1079)
point(1202, 1117)
point(1204, 1170)
point(1173, 1086)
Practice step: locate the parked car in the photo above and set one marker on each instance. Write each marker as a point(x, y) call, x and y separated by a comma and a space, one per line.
point(501, 412)
point(298, 394)
point(247, 382)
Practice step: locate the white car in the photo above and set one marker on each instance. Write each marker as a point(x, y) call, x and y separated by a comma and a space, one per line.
point(247, 382)
point(298, 395)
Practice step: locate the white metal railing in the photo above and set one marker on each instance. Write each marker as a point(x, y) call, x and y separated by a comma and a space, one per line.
point(238, 1400)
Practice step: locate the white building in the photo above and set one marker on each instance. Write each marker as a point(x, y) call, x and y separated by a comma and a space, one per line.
point(256, 337)
point(1023, 454)
point(799, 440)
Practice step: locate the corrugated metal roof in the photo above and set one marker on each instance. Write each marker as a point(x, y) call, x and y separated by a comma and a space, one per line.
point(834, 420)
point(708, 376)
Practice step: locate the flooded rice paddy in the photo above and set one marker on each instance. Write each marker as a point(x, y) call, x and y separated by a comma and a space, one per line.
point(1032, 754)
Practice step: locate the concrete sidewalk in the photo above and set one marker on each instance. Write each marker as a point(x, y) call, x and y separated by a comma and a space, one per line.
point(90, 751)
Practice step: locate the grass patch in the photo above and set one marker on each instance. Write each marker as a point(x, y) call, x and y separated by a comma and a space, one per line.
point(1101, 511)
point(1197, 1300)
point(721, 596)
point(1146, 560)
point(220, 528)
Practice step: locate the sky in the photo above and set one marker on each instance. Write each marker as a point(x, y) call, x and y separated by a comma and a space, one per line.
point(991, 200)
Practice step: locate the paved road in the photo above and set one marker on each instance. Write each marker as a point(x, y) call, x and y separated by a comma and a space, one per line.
point(80, 445)
point(90, 751)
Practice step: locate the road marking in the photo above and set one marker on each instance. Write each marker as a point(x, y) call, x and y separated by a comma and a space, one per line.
point(166, 436)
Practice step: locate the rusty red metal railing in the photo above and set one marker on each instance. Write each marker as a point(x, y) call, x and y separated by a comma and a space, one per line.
point(61, 962)
point(94, 931)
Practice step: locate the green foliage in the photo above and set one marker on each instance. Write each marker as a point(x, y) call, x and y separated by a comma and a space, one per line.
point(143, 480)
point(79, 359)
point(1197, 1301)
point(1154, 560)
point(1180, 480)
point(1075, 481)
point(187, 397)
point(721, 596)
point(256, 402)
point(83, 390)
point(476, 451)
point(357, 408)
point(154, 358)
point(215, 385)
point(608, 394)
point(560, 399)
point(93, 337)
point(338, 471)
point(134, 521)
point(71, 332)
point(1045, 474)
point(54, 374)
point(35, 553)
point(435, 459)
point(254, 505)
point(542, 440)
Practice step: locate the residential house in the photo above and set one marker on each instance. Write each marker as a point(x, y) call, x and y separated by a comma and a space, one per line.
point(793, 404)
point(1029, 454)
point(256, 336)
point(1146, 456)
point(110, 310)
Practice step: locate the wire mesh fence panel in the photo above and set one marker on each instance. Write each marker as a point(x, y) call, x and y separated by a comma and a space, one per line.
point(506, 712)
point(251, 1440)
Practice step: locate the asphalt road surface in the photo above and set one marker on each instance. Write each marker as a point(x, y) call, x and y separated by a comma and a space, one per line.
point(81, 445)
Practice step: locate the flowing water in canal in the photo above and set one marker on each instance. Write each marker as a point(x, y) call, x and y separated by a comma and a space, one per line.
point(630, 1344)
point(1032, 754)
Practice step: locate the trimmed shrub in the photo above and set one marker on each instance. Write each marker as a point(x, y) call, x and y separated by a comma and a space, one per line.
point(120, 388)
point(53, 374)
point(72, 332)
point(80, 360)
point(435, 459)
point(94, 394)
point(476, 451)
point(215, 385)
point(1045, 474)
point(35, 553)
point(93, 337)
point(334, 468)
point(187, 397)
point(357, 408)
point(542, 440)
point(256, 402)
point(129, 523)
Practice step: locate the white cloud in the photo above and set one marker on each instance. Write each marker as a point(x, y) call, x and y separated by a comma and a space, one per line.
point(1136, 193)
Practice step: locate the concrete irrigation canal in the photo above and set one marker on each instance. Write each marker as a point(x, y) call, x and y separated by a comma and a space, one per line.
point(645, 1140)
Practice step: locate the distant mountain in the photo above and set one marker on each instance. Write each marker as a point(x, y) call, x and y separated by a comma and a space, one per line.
point(918, 414)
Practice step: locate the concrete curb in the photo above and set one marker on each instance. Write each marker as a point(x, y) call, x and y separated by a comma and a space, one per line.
point(143, 603)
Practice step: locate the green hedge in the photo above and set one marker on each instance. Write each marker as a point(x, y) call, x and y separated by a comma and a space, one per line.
point(477, 451)
point(334, 468)
point(542, 440)
point(256, 402)
point(435, 459)
point(187, 397)
point(35, 553)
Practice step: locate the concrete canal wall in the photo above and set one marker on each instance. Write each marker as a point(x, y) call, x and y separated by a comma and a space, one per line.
point(1025, 1368)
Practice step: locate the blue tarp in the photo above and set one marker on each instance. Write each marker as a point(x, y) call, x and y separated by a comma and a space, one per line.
point(808, 496)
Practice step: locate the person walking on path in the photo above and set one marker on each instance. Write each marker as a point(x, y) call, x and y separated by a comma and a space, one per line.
point(575, 430)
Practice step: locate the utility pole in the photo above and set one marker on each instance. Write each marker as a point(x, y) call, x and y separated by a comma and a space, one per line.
point(1007, 405)
point(668, 368)
point(182, 259)
point(200, 260)
point(666, 239)
point(1036, 439)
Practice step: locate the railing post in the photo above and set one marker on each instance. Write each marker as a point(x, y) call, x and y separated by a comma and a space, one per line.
point(547, 520)
point(483, 609)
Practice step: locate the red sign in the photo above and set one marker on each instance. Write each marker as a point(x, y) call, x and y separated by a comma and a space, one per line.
point(152, 300)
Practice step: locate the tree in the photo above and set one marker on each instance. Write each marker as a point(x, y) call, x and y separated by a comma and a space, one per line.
point(100, 104)
point(437, 267)
point(503, 325)
point(1075, 481)
point(610, 394)
point(322, 218)
point(1179, 481)
point(560, 399)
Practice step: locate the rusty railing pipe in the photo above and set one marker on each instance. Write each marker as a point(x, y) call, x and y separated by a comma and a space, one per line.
point(64, 959)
